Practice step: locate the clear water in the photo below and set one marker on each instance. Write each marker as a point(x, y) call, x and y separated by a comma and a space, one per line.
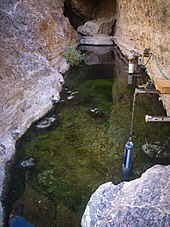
point(82, 149)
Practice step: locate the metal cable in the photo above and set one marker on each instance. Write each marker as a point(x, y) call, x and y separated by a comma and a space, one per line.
point(164, 145)
point(158, 65)
point(132, 116)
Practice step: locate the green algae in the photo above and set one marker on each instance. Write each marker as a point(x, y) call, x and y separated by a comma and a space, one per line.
point(80, 151)
point(72, 158)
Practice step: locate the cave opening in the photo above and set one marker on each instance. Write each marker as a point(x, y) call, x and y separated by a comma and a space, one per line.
point(79, 12)
point(75, 20)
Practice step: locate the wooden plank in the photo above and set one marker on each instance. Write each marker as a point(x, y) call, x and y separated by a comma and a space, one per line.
point(163, 86)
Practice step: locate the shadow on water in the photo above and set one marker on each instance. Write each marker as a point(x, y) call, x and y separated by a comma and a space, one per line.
point(83, 146)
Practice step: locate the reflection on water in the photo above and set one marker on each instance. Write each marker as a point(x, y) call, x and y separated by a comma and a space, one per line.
point(83, 147)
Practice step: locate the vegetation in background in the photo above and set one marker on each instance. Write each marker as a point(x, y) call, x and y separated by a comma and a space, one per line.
point(72, 55)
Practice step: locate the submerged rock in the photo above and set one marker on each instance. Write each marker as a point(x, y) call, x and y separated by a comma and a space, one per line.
point(156, 151)
point(27, 163)
point(72, 94)
point(15, 133)
point(141, 202)
point(70, 97)
point(55, 98)
point(45, 123)
point(96, 113)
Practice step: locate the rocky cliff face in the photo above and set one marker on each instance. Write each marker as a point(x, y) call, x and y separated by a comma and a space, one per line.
point(32, 43)
point(146, 24)
point(93, 9)
point(141, 202)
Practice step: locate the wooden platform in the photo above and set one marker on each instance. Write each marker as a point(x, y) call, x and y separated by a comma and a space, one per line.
point(163, 86)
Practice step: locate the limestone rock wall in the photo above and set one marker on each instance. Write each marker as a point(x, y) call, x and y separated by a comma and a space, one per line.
point(141, 202)
point(146, 24)
point(32, 43)
point(82, 8)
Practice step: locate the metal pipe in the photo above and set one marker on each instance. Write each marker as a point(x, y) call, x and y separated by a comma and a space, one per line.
point(146, 91)
point(157, 118)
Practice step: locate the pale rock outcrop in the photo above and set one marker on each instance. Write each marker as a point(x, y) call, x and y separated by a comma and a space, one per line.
point(141, 202)
point(32, 45)
point(98, 26)
point(96, 32)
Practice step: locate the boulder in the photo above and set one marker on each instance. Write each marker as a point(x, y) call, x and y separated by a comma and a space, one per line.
point(141, 202)
point(96, 32)
point(98, 26)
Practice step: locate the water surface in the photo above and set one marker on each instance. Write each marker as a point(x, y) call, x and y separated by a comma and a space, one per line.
point(83, 148)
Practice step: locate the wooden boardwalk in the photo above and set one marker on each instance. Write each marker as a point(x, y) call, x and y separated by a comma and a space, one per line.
point(163, 86)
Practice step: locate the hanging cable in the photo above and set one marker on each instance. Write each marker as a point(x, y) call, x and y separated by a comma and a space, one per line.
point(164, 145)
point(158, 65)
point(132, 116)
point(148, 59)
